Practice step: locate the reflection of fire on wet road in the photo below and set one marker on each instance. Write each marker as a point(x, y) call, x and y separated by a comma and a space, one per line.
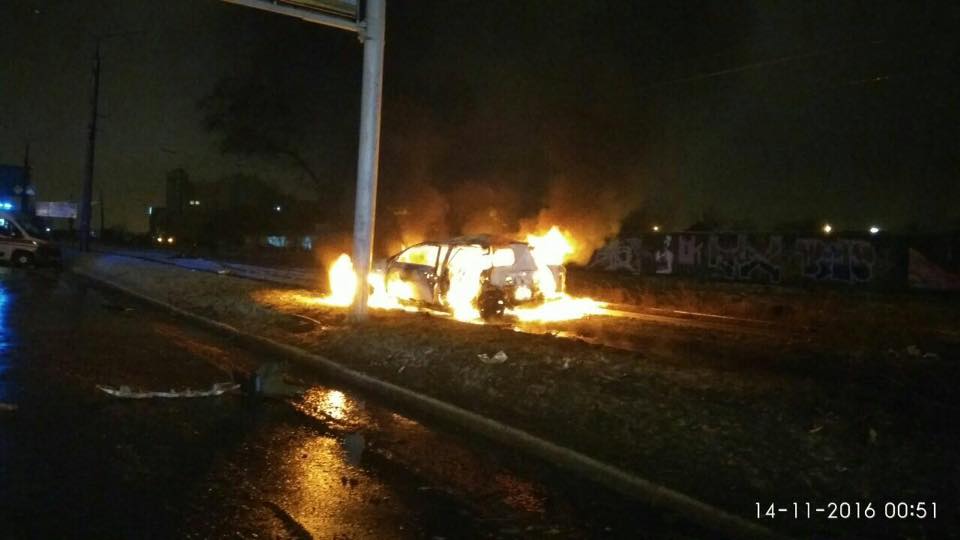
point(362, 437)
point(328, 404)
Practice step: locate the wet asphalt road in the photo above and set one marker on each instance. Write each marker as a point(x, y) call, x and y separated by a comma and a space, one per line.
point(77, 463)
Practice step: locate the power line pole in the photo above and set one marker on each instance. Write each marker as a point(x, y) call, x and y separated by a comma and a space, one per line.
point(364, 216)
point(28, 189)
point(85, 205)
point(371, 33)
point(102, 218)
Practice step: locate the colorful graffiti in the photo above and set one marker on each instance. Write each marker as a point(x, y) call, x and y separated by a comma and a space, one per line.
point(744, 257)
point(619, 256)
point(757, 258)
point(664, 257)
point(848, 261)
point(689, 250)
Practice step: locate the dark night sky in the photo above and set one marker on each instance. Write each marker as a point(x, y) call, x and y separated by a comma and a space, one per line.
point(762, 111)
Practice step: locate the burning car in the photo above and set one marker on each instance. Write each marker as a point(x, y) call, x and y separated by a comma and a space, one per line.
point(471, 276)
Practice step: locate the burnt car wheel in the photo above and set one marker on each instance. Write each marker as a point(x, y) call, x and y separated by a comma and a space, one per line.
point(492, 304)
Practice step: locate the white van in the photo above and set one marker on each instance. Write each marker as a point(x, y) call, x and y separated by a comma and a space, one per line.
point(23, 243)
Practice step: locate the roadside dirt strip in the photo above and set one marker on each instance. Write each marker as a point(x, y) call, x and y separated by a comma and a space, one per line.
point(650, 424)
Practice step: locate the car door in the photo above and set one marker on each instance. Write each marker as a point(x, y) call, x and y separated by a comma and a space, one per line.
point(9, 235)
point(416, 268)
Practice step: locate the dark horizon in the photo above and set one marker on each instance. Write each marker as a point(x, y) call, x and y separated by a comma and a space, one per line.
point(496, 113)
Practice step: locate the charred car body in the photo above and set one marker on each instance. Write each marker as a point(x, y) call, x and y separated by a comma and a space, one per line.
point(487, 272)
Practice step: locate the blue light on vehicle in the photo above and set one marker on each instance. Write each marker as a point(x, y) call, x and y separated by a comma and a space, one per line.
point(6, 205)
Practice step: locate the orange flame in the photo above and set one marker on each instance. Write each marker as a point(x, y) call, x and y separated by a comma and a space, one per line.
point(550, 250)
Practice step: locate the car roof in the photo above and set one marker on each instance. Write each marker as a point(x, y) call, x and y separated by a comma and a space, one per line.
point(484, 240)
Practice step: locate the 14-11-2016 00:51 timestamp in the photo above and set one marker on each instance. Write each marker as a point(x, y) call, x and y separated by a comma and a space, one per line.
point(849, 510)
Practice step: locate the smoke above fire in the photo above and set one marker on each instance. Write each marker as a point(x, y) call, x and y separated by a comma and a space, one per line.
point(462, 156)
point(588, 214)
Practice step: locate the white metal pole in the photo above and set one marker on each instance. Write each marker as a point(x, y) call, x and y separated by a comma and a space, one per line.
point(368, 159)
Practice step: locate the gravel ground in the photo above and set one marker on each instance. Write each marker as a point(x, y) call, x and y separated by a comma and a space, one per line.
point(733, 419)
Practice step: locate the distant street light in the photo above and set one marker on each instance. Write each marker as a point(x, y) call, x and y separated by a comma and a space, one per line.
point(656, 228)
point(874, 229)
point(277, 208)
point(827, 228)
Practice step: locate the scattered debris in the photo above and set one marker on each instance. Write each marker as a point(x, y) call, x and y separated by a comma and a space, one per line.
point(873, 436)
point(115, 307)
point(125, 391)
point(815, 429)
point(271, 380)
point(914, 352)
point(566, 362)
point(537, 389)
point(310, 319)
point(498, 358)
point(7, 407)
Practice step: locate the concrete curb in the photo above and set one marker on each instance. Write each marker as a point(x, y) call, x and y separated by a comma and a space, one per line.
point(655, 495)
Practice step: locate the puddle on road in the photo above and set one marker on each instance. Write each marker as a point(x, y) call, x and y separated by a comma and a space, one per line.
point(340, 467)
point(441, 462)
point(327, 495)
point(326, 404)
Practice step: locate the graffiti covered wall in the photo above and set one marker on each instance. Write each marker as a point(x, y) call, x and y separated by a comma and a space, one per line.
point(759, 258)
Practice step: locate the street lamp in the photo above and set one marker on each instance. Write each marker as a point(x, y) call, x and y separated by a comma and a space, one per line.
point(827, 228)
point(874, 229)
point(656, 228)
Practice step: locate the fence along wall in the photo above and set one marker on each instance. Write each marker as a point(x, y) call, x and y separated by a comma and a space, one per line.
point(760, 258)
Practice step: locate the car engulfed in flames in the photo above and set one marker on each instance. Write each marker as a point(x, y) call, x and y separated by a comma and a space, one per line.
point(478, 277)
point(473, 276)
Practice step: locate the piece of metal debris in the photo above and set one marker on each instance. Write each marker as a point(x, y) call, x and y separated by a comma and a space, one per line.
point(126, 392)
point(498, 358)
point(116, 307)
point(271, 380)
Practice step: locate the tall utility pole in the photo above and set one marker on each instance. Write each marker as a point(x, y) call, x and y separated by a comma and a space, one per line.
point(27, 182)
point(371, 32)
point(85, 209)
point(364, 217)
point(102, 218)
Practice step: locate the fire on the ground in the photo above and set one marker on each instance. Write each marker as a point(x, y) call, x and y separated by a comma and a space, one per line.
point(472, 277)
